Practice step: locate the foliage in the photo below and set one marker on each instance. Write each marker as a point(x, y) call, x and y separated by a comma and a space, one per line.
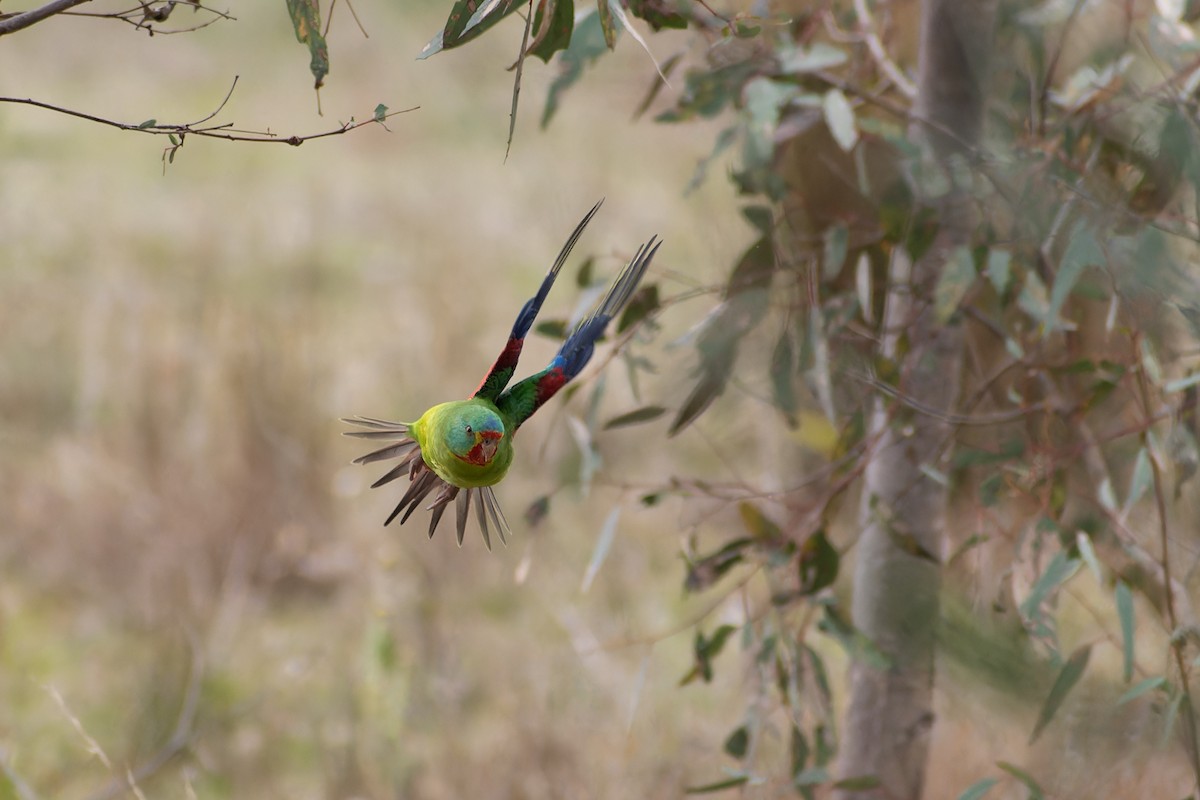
point(1077, 292)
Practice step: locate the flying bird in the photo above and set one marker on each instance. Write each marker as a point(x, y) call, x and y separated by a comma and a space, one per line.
point(457, 451)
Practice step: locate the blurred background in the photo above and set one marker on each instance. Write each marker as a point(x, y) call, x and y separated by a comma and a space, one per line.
point(195, 580)
point(197, 595)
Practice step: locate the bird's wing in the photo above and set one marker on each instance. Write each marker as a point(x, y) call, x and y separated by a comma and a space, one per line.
point(527, 396)
point(423, 481)
point(506, 363)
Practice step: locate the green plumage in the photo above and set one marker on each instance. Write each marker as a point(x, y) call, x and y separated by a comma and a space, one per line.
point(458, 450)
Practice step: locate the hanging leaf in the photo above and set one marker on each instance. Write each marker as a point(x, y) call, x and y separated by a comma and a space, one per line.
point(1141, 687)
point(704, 650)
point(721, 332)
point(643, 303)
point(704, 572)
point(839, 117)
point(999, 269)
point(1082, 251)
point(758, 524)
point(635, 417)
point(833, 254)
point(656, 13)
point(1068, 676)
point(306, 20)
point(800, 60)
point(587, 44)
point(818, 563)
point(1035, 791)
point(610, 29)
point(737, 742)
point(719, 786)
point(978, 789)
point(552, 25)
point(1125, 615)
point(467, 20)
point(783, 374)
point(958, 274)
point(608, 532)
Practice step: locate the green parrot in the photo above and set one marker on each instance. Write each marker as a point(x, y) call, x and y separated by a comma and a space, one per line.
point(462, 448)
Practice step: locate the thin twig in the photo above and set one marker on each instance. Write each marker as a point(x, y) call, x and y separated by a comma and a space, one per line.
point(890, 68)
point(37, 15)
point(215, 132)
point(512, 114)
point(1178, 643)
point(181, 735)
point(22, 789)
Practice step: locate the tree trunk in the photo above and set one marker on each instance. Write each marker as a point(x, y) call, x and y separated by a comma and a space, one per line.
point(898, 575)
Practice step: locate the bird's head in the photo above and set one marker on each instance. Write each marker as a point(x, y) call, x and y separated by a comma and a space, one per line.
point(475, 435)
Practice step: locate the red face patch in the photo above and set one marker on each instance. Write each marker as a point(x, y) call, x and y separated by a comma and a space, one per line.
point(486, 443)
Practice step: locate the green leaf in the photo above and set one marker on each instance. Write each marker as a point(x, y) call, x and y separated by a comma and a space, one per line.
point(709, 92)
point(635, 417)
point(724, 140)
point(552, 328)
point(381, 112)
point(1035, 791)
point(813, 776)
point(718, 337)
point(858, 783)
point(978, 789)
point(1058, 571)
point(643, 303)
point(704, 572)
point(553, 22)
point(798, 60)
point(1068, 676)
point(737, 742)
point(1082, 251)
point(856, 644)
point(758, 524)
point(1179, 384)
point(999, 270)
point(834, 251)
point(1140, 688)
point(1125, 614)
point(537, 511)
point(783, 373)
point(610, 29)
point(704, 651)
point(958, 275)
point(818, 563)
point(150, 123)
point(839, 117)
point(467, 20)
point(719, 786)
point(655, 13)
point(1088, 553)
point(608, 533)
point(306, 20)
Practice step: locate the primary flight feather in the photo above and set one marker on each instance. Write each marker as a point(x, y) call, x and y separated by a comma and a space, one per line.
point(458, 450)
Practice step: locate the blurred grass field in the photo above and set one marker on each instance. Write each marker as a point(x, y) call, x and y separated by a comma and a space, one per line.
point(182, 527)
point(195, 579)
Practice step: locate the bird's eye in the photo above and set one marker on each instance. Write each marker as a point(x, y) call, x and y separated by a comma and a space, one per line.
point(469, 431)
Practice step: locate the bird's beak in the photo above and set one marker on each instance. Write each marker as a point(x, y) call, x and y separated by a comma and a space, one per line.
point(488, 442)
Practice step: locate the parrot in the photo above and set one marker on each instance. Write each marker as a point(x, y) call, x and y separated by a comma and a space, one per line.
point(459, 450)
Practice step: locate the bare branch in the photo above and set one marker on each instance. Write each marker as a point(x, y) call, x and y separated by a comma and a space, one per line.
point(143, 16)
point(35, 16)
point(225, 131)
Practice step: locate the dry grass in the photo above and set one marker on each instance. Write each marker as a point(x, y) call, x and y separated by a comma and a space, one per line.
point(181, 530)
